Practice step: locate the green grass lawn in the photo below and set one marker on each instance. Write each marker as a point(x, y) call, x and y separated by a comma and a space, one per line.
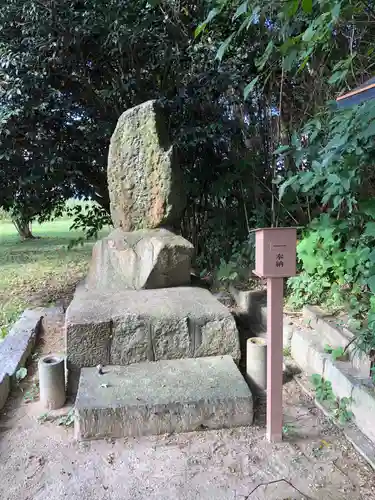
point(41, 271)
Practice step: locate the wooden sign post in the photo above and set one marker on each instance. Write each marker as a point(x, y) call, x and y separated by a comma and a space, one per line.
point(275, 259)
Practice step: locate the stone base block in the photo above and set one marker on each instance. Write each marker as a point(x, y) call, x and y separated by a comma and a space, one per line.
point(151, 258)
point(146, 325)
point(162, 397)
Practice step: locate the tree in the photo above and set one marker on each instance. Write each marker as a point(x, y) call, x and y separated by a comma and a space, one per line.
point(69, 70)
point(307, 52)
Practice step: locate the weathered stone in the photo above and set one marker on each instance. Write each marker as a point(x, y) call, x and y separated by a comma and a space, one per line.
point(4, 388)
point(249, 301)
point(18, 344)
point(133, 326)
point(342, 377)
point(151, 258)
point(225, 298)
point(17, 347)
point(144, 178)
point(323, 323)
point(363, 407)
point(361, 443)
point(307, 352)
point(214, 333)
point(336, 335)
point(162, 397)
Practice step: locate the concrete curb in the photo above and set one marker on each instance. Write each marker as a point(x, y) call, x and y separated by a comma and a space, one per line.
point(348, 378)
point(360, 442)
point(17, 347)
point(249, 302)
point(4, 389)
point(336, 335)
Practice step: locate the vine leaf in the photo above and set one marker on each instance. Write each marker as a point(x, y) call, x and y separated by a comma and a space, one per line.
point(211, 15)
point(249, 87)
point(371, 283)
point(223, 47)
point(307, 6)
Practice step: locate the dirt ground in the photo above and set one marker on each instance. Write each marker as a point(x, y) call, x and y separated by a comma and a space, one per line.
point(40, 460)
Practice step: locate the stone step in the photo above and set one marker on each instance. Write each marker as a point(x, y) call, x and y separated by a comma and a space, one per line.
point(162, 397)
point(133, 326)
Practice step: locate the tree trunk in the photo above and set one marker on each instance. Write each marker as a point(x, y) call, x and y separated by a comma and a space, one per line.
point(24, 229)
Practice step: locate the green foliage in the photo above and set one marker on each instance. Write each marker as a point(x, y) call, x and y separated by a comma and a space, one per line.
point(287, 352)
point(31, 394)
point(343, 413)
point(43, 418)
point(227, 271)
point(89, 218)
point(306, 52)
point(338, 148)
point(238, 267)
point(288, 430)
point(21, 373)
point(67, 420)
point(68, 75)
point(338, 262)
point(3, 332)
point(301, 37)
point(340, 407)
point(4, 215)
point(240, 263)
point(323, 390)
point(324, 267)
point(337, 353)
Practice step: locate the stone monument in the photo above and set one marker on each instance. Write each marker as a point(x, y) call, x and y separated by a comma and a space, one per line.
point(137, 303)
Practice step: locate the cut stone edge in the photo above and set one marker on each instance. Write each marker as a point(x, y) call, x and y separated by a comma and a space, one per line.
point(27, 328)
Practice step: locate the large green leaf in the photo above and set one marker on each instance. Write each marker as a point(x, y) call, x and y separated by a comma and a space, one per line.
point(309, 34)
point(21, 373)
point(369, 130)
point(211, 15)
point(223, 47)
point(338, 76)
point(368, 207)
point(371, 283)
point(281, 149)
point(263, 59)
point(292, 7)
point(307, 6)
point(289, 182)
point(241, 9)
point(336, 11)
point(370, 229)
point(250, 87)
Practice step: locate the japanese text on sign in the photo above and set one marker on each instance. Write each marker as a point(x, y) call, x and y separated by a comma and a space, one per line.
point(280, 260)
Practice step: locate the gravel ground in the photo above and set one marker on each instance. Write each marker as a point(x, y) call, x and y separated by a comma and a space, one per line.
point(40, 460)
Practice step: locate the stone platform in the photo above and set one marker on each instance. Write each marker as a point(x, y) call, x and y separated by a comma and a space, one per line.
point(146, 325)
point(162, 397)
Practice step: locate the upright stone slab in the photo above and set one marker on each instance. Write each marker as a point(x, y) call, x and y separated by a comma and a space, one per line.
point(162, 397)
point(133, 326)
point(151, 258)
point(144, 178)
